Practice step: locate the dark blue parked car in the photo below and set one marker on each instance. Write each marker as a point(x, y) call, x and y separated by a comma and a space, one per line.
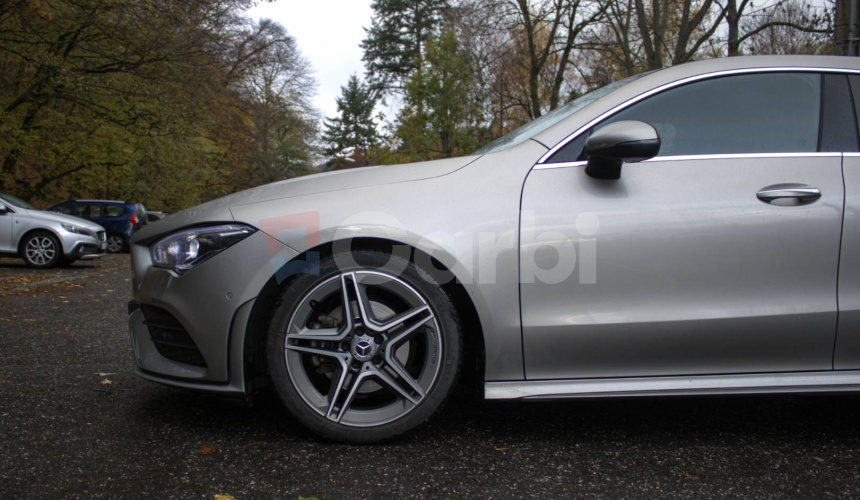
point(119, 218)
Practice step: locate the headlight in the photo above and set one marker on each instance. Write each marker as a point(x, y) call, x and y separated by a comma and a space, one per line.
point(186, 249)
point(73, 228)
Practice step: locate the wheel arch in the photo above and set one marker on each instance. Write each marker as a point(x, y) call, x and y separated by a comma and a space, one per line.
point(40, 229)
point(470, 323)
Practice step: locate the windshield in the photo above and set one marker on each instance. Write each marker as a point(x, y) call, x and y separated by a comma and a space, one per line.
point(546, 121)
point(15, 201)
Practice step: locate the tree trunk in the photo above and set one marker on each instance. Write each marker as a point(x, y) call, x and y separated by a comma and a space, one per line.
point(446, 143)
point(843, 26)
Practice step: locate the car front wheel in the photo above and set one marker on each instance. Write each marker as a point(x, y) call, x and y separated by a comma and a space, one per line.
point(360, 353)
point(115, 243)
point(41, 250)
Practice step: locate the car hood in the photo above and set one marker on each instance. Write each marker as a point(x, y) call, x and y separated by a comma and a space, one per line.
point(339, 180)
point(46, 216)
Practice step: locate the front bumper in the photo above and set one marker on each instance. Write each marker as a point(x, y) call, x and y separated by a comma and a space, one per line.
point(83, 246)
point(211, 303)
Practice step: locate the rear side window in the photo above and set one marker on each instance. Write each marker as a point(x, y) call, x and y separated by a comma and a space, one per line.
point(114, 211)
point(63, 209)
point(855, 92)
point(94, 211)
point(760, 113)
point(80, 211)
point(838, 123)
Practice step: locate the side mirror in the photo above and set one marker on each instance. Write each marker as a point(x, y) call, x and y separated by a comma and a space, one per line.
point(613, 145)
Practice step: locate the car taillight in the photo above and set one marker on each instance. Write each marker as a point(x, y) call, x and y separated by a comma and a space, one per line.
point(134, 221)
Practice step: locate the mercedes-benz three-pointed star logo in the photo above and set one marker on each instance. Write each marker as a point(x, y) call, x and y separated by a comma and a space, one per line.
point(363, 348)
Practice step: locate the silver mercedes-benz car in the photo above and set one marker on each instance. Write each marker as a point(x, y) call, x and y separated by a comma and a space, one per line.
point(694, 230)
point(46, 239)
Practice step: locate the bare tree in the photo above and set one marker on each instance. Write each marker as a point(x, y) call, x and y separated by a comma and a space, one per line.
point(789, 27)
point(549, 32)
point(675, 29)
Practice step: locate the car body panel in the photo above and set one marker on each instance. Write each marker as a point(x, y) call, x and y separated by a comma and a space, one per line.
point(204, 300)
point(692, 277)
point(6, 223)
point(847, 353)
point(445, 207)
point(758, 383)
point(475, 202)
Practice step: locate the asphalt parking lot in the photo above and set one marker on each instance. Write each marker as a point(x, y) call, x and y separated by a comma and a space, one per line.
point(76, 423)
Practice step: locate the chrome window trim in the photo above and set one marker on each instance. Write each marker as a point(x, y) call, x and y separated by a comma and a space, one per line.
point(852, 154)
point(725, 156)
point(678, 83)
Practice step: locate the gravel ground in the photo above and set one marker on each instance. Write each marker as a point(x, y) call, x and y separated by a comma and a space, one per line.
point(76, 423)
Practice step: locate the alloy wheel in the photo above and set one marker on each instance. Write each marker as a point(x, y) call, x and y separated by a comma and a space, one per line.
point(115, 243)
point(363, 348)
point(40, 250)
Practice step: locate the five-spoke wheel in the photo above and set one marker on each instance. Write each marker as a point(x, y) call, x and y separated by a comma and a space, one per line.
point(364, 354)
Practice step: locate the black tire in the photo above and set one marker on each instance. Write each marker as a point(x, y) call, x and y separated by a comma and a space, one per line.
point(414, 364)
point(41, 249)
point(115, 243)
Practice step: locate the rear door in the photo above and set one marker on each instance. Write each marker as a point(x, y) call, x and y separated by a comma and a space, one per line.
point(116, 219)
point(95, 213)
point(692, 263)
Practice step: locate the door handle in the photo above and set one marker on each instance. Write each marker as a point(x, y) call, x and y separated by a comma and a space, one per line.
point(788, 195)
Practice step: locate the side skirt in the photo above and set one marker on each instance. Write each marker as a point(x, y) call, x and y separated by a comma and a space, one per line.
point(767, 383)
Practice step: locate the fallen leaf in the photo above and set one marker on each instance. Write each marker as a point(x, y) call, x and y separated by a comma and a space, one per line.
point(4, 382)
point(106, 382)
point(502, 450)
point(105, 374)
point(206, 450)
point(223, 497)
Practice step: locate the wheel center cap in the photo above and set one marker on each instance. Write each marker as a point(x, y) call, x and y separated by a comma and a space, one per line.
point(364, 348)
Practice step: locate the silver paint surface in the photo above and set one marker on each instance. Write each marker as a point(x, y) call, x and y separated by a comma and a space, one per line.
point(695, 276)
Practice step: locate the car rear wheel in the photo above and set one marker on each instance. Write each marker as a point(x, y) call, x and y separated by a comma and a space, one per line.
point(115, 243)
point(361, 354)
point(41, 250)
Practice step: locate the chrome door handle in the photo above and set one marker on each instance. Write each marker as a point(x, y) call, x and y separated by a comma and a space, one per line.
point(788, 194)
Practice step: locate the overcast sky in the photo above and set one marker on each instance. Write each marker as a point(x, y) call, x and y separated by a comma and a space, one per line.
point(328, 33)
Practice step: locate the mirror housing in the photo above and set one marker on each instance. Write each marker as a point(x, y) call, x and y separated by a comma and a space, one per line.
point(611, 146)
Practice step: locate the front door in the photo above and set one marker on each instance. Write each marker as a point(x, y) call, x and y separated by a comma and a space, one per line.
point(712, 258)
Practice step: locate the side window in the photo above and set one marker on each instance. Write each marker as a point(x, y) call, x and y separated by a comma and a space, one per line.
point(760, 113)
point(855, 93)
point(94, 212)
point(838, 123)
point(63, 209)
point(114, 211)
point(79, 210)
